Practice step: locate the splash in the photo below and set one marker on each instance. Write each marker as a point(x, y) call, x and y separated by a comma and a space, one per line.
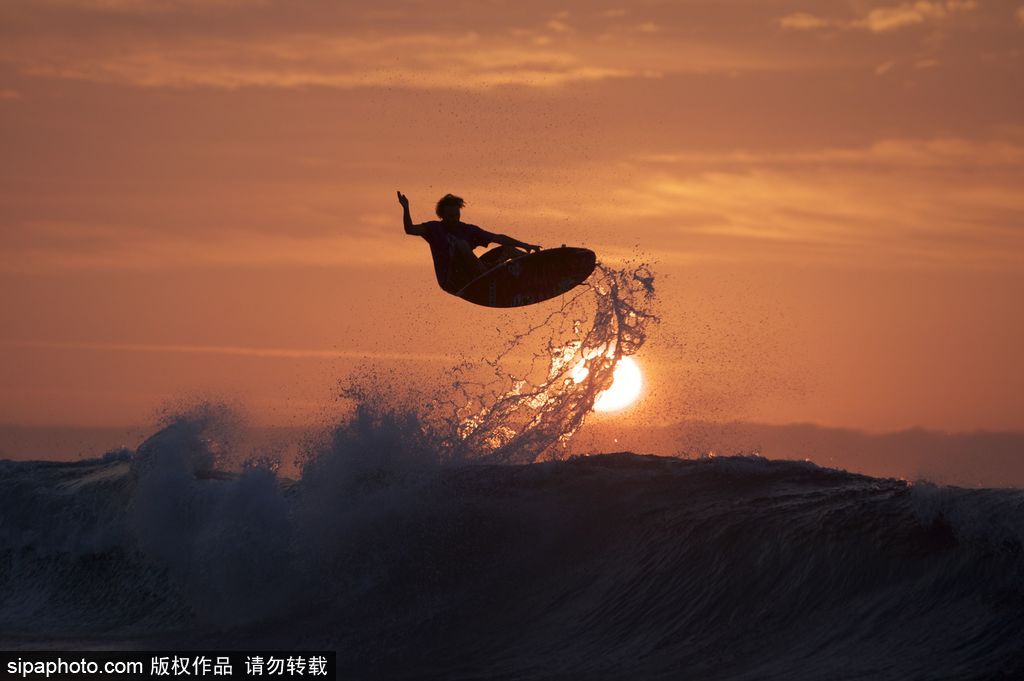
point(493, 411)
point(516, 419)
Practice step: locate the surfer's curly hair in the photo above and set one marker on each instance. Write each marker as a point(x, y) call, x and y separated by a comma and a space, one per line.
point(449, 200)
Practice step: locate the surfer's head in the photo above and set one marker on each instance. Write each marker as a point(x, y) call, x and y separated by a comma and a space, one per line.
point(450, 207)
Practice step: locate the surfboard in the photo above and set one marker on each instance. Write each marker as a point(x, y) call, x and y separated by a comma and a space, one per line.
point(531, 278)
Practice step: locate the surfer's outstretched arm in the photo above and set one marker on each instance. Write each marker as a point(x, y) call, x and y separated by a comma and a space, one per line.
point(415, 230)
point(506, 240)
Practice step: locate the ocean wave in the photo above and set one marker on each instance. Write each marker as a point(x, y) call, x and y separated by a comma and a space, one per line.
point(607, 566)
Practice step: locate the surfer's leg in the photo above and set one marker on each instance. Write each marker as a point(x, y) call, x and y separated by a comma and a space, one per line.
point(465, 257)
point(464, 265)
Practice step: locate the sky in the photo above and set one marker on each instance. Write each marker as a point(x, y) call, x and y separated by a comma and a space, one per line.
point(198, 198)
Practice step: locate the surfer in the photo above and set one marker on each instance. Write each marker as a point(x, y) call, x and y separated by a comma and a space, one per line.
point(452, 242)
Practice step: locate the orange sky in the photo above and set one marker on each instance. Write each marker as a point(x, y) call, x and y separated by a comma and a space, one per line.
point(198, 197)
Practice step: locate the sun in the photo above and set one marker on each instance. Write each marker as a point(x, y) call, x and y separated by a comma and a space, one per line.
point(627, 381)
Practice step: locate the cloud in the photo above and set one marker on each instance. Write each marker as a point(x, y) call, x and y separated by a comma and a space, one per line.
point(427, 61)
point(1020, 16)
point(415, 61)
point(942, 203)
point(186, 43)
point(81, 246)
point(904, 154)
point(144, 6)
point(948, 202)
point(234, 350)
point(802, 21)
point(882, 19)
point(559, 26)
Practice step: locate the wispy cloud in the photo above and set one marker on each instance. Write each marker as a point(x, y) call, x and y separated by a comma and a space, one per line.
point(944, 201)
point(804, 21)
point(945, 152)
point(233, 350)
point(880, 203)
point(882, 19)
point(83, 246)
point(144, 6)
point(537, 50)
point(415, 61)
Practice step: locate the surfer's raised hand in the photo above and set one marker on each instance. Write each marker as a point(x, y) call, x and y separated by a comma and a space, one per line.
point(416, 230)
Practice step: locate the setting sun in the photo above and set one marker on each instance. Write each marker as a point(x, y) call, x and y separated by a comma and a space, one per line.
point(626, 385)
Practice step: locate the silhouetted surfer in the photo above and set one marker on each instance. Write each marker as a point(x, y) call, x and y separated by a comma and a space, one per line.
point(452, 242)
